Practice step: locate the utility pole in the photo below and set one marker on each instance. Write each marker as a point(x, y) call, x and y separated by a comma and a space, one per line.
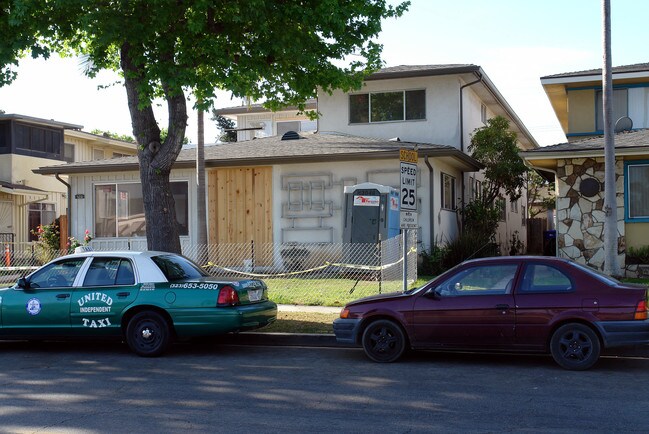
point(611, 265)
point(201, 238)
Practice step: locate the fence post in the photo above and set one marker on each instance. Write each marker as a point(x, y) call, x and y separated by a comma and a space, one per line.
point(252, 254)
point(379, 245)
point(404, 253)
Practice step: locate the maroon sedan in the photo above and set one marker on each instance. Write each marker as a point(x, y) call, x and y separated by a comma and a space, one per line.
point(523, 304)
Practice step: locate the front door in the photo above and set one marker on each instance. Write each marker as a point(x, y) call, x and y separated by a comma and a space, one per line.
point(472, 308)
point(43, 308)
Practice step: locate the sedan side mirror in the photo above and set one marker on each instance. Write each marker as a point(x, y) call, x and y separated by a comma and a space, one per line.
point(23, 283)
point(432, 293)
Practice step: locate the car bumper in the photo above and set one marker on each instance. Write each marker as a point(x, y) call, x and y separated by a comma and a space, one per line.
point(624, 333)
point(213, 321)
point(347, 329)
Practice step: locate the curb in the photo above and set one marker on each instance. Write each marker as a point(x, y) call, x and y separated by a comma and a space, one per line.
point(283, 339)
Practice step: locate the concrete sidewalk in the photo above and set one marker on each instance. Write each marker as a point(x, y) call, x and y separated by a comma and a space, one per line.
point(300, 308)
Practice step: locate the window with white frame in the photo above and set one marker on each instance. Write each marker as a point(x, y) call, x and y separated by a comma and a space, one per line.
point(637, 191)
point(448, 192)
point(119, 209)
point(513, 206)
point(387, 106)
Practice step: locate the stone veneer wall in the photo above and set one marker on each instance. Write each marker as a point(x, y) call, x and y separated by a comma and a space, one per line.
point(580, 219)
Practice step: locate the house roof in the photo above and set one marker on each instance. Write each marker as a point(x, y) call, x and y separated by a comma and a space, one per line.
point(638, 67)
point(406, 71)
point(39, 121)
point(311, 104)
point(633, 143)
point(309, 148)
point(19, 189)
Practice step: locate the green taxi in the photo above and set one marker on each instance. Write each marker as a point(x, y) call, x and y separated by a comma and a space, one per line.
point(149, 299)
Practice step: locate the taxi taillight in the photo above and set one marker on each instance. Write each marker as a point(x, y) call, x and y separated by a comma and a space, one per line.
point(228, 296)
point(641, 310)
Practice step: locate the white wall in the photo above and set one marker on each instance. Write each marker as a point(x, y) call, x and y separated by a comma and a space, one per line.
point(441, 125)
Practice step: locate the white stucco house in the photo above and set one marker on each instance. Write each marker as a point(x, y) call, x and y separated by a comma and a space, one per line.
point(290, 188)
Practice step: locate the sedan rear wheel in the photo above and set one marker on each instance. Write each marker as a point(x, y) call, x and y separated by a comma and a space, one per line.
point(384, 341)
point(148, 334)
point(575, 347)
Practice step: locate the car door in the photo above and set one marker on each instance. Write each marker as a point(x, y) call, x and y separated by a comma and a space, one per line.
point(545, 293)
point(108, 287)
point(42, 306)
point(474, 307)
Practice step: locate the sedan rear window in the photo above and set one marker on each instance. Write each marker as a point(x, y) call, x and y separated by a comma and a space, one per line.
point(178, 268)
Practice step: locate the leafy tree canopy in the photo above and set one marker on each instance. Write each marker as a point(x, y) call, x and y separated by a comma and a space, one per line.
point(276, 51)
point(494, 145)
point(224, 124)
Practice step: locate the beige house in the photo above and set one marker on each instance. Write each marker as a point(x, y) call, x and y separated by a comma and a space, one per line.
point(27, 199)
point(578, 166)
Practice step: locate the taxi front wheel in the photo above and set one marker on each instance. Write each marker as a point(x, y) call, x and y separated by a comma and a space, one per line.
point(148, 334)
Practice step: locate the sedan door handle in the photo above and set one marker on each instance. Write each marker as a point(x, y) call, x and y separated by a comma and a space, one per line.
point(123, 294)
point(62, 296)
point(502, 306)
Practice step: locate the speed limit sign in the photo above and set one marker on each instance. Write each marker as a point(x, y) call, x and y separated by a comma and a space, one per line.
point(408, 173)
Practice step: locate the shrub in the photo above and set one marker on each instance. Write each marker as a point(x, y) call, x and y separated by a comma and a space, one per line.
point(637, 255)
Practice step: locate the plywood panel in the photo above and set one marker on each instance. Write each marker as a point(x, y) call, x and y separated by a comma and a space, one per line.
point(240, 209)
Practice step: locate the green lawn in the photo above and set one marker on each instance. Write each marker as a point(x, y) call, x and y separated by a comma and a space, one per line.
point(328, 292)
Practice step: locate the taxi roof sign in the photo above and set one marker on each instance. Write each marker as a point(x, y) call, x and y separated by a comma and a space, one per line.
point(408, 156)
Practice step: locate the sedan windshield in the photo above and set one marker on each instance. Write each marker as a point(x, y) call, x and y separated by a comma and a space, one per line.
point(178, 268)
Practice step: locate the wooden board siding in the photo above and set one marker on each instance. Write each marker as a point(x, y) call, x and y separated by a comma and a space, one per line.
point(240, 208)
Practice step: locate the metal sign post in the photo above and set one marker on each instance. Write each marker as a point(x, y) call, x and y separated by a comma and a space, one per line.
point(408, 202)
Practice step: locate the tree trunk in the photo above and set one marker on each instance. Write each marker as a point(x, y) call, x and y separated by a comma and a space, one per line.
point(156, 159)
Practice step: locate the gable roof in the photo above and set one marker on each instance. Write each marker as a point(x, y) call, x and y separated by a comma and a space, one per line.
point(638, 67)
point(311, 104)
point(635, 142)
point(309, 148)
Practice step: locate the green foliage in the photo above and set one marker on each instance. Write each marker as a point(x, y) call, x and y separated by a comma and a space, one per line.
point(164, 133)
point(48, 236)
point(637, 255)
point(540, 194)
point(278, 52)
point(122, 137)
point(516, 246)
point(494, 145)
point(224, 124)
point(432, 262)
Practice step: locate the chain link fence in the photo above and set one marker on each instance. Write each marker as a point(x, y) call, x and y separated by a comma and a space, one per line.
point(329, 274)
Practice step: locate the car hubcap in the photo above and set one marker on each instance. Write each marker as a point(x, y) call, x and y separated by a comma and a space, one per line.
point(147, 333)
point(383, 340)
point(575, 346)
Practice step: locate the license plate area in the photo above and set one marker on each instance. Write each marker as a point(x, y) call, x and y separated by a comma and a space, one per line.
point(255, 294)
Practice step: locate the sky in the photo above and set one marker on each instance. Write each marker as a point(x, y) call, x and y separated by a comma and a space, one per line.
point(514, 41)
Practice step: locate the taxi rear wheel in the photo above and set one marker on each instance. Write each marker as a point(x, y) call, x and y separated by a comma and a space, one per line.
point(147, 334)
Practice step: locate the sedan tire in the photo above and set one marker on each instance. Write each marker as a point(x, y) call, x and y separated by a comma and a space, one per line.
point(384, 341)
point(148, 334)
point(575, 346)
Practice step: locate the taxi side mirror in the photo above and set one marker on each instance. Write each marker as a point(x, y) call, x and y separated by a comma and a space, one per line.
point(23, 283)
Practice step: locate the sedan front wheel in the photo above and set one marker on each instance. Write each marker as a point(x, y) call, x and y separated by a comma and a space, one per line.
point(384, 341)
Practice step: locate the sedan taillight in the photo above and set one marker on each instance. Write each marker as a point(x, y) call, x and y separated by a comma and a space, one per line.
point(641, 310)
point(228, 297)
